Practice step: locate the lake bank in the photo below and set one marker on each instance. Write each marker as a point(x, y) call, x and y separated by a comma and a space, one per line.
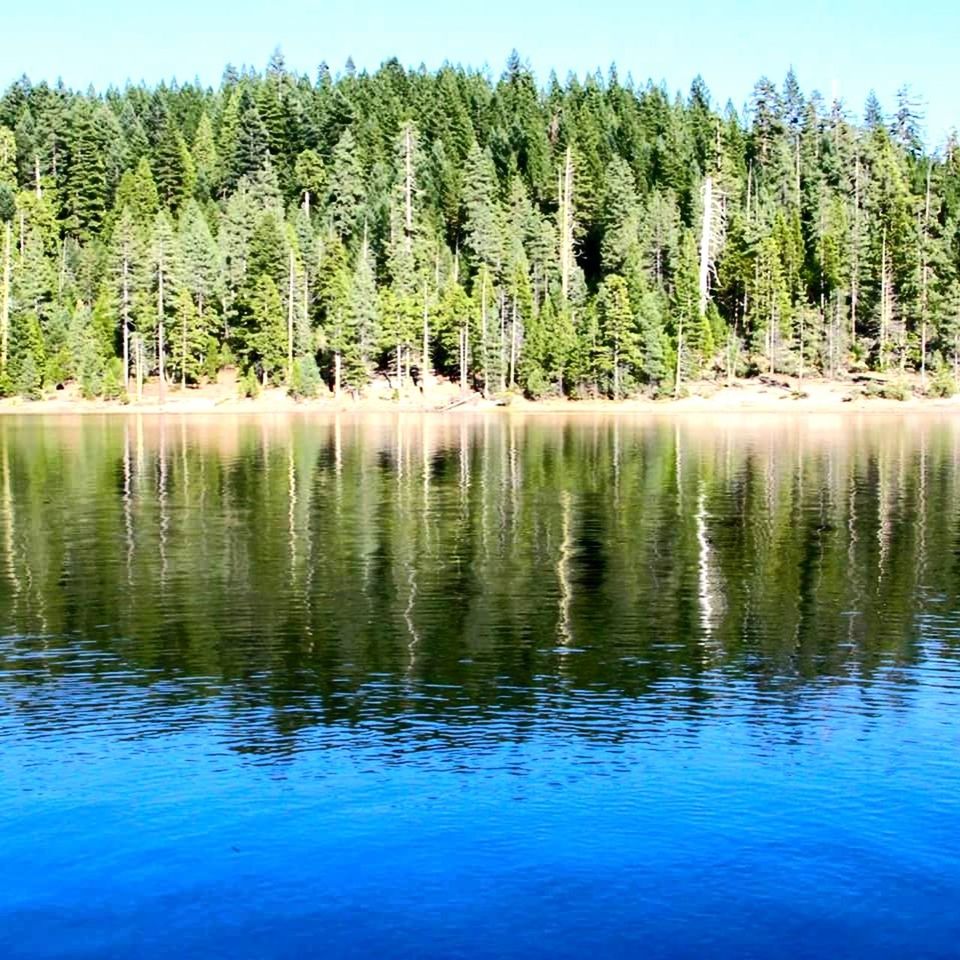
point(770, 396)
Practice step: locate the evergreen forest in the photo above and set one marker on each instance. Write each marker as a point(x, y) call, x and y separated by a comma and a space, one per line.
point(591, 237)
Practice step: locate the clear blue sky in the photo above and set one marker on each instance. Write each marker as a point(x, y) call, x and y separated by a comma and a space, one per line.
point(843, 45)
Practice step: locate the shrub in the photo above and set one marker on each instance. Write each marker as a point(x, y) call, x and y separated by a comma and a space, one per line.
point(896, 390)
point(942, 384)
point(211, 361)
point(29, 380)
point(305, 381)
point(113, 385)
point(249, 385)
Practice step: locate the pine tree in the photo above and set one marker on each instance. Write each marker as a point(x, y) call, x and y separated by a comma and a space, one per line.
point(364, 322)
point(7, 211)
point(86, 185)
point(345, 194)
point(175, 176)
point(8, 158)
point(206, 159)
point(621, 219)
point(483, 218)
point(310, 176)
point(247, 141)
point(440, 220)
point(189, 340)
point(266, 341)
point(770, 303)
point(618, 334)
point(201, 260)
point(164, 266)
point(137, 193)
point(334, 297)
point(128, 260)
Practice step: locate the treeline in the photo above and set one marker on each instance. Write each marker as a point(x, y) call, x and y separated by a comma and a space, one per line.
point(586, 238)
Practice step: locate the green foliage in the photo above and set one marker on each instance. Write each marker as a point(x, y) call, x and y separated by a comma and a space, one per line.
point(249, 385)
point(554, 237)
point(943, 384)
point(618, 356)
point(305, 382)
point(113, 388)
point(8, 159)
point(266, 340)
point(29, 380)
point(8, 203)
point(310, 175)
point(892, 390)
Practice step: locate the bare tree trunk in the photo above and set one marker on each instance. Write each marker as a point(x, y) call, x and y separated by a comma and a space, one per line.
point(126, 320)
point(705, 238)
point(306, 296)
point(5, 299)
point(503, 341)
point(924, 281)
point(801, 343)
point(566, 223)
point(200, 311)
point(956, 356)
point(883, 301)
point(160, 330)
point(337, 362)
point(513, 345)
point(425, 372)
point(483, 334)
point(290, 298)
point(676, 380)
point(855, 271)
point(183, 352)
point(408, 189)
point(836, 345)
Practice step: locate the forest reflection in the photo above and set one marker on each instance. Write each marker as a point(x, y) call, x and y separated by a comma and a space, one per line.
point(431, 577)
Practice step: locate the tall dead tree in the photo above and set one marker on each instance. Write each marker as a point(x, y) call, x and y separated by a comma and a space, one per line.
point(565, 223)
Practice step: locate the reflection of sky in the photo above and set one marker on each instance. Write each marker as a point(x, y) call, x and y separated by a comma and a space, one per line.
point(130, 826)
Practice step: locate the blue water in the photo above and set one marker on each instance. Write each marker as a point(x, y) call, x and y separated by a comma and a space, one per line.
point(706, 794)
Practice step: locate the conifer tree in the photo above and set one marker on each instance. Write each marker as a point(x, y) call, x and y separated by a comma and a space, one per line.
point(86, 185)
point(163, 261)
point(483, 217)
point(345, 188)
point(267, 336)
point(618, 334)
point(440, 220)
point(128, 258)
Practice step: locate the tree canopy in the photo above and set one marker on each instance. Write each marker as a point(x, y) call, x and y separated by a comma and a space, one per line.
point(589, 237)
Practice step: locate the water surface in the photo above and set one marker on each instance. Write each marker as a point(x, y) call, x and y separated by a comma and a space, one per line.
point(428, 687)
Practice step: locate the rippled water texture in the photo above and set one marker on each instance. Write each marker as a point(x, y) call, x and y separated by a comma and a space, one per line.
point(480, 688)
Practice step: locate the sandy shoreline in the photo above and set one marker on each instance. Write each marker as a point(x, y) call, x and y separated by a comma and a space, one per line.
point(742, 397)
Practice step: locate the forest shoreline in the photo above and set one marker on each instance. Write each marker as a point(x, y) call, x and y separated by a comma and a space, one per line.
point(780, 396)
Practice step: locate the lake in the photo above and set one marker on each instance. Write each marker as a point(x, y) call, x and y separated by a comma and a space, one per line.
point(479, 687)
